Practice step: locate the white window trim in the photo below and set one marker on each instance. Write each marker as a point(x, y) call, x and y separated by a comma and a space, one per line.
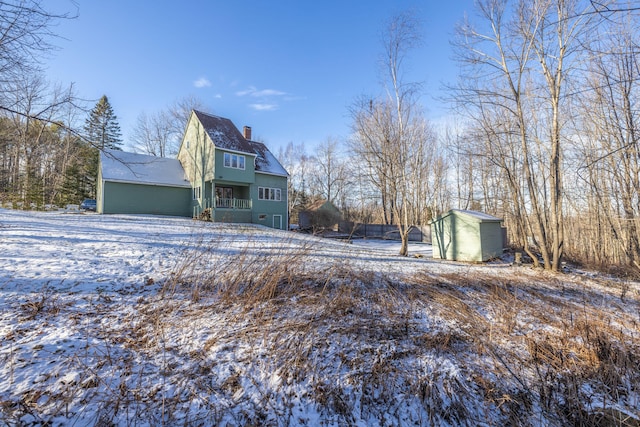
point(196, 193)
point(228, 161)
point(270, 194)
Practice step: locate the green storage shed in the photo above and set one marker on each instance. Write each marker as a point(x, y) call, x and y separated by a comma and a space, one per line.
point(465, 235)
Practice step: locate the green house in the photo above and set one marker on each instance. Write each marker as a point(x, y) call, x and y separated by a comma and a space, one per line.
point(219, 174)
point(465, 235)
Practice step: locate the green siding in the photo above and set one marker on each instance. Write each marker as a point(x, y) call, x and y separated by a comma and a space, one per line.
point(467, 238)
point(455, 238)
point(208, 195)
point(265, 210)
point(222, 173)
point(491, 233)
point(144, 199)
point(440, 238)
point(233, 215)
point(462, 237)
point(196, 155)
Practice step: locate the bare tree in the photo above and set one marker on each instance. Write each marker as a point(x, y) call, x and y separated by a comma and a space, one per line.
point(519, 63)
point(372, 143)
point(153, 135)
point(294, 159)
point(159, 134)
point(179, 113)
point(31, 145)
point(29, 106)
point(609, 131)
point(392, 136)
point(328, 176)
point(25, 36)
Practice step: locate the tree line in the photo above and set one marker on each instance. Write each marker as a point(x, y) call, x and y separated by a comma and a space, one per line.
point(544, 130)
point(46, 155)
point(548, 91)
point(44, 160)
point(50, 139)
point(544, 133)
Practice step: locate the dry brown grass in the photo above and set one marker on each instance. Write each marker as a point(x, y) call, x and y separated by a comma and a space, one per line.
point(249, 336)
point(565, 347)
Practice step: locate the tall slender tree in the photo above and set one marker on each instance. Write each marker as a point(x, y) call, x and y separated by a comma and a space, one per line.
point(393, 137)
point(102, 128)
point(102, 131)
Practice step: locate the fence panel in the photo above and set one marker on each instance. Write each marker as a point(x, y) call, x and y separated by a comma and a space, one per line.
point(385, 231)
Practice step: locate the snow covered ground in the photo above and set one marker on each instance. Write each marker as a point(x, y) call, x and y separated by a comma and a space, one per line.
point(142, 320)
point(84, 251)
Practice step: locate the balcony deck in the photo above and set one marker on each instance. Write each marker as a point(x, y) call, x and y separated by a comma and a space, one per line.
point(233, 203)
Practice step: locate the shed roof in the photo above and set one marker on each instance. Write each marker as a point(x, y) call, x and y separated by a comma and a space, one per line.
point(478, 216)
point(135, 168)
point(318, 204)
point(225, 135)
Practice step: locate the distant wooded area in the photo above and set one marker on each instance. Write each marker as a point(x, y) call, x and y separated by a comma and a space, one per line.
point(543, 130)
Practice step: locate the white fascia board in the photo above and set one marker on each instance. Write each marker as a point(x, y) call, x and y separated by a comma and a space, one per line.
point(153, 184)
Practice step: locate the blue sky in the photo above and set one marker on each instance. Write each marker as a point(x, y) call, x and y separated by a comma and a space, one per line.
point(289, 69)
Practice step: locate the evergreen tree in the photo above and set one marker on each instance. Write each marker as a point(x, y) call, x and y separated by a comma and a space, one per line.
point(102, 128)
point(79, 182)
point(102, 132)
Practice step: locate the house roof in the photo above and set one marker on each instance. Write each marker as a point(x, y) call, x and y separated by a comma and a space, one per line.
point(226, 136)
point(223, 133)
point(136, 168)
point(265, 160)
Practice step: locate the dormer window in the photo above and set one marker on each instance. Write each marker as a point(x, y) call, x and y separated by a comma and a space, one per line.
point(234, 161)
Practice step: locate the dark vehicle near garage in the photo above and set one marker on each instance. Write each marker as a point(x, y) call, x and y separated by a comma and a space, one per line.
point(88, 205)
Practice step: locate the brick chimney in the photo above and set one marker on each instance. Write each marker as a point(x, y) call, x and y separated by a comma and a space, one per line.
point(246, 131)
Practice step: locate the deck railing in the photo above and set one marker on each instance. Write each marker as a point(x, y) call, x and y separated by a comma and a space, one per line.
point(233, 203)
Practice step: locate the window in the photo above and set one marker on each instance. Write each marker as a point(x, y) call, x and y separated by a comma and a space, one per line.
point(197, 193)
point(234, 161)
point(266, 193)
point(224, 197)
point(224, 192)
